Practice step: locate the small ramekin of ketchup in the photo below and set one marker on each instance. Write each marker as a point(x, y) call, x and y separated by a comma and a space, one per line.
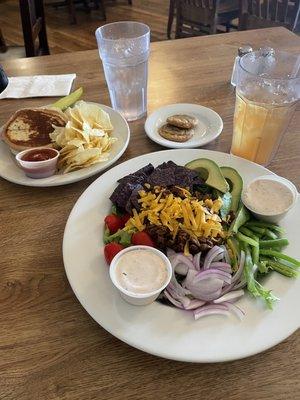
point(39, 162)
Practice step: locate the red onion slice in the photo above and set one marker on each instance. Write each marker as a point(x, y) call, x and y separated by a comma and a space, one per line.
point(181, 259)
point(189, 278)
point(211, 255)
point(195, 303)
point(176, 303)
point(231, 296)
point(235, 310)
point(221, 265)
point(207, 290)
point(236, 277)
point(214, 273)
point(211, 309)
point(197, 261)
point(184, 300)
point(226, 255)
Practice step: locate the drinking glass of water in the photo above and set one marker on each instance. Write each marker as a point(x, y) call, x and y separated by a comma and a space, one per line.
point(124, 50)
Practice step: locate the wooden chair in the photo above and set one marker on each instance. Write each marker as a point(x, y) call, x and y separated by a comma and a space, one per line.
point(34, 27)
point(171, 17)
point(198, 17)
point(3, 80)
point(3, 46)
point(71, 5)
point(267, 13)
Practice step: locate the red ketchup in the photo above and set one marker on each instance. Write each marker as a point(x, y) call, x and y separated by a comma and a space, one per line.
point(39, 155)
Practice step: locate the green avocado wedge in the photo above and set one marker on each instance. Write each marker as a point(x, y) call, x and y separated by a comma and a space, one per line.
point(67, 101)
point(236, 185)
point(210, 172)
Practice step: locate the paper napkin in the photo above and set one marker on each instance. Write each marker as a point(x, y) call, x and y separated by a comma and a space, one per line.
point(38, 86)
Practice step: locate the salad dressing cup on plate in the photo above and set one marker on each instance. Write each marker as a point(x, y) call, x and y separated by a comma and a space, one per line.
point(140, 273)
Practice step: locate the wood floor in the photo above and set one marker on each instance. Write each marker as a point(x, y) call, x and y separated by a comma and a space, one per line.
point(64, 37)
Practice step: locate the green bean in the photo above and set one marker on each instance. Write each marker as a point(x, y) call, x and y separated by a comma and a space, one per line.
point(273, 243)
point(255, 254)
point(262, 266)
point(282, 269)
point(262, 224)
point(256, 229)
point(243, 238)
point(270, 234)
point(278, 254)
point(249, 233)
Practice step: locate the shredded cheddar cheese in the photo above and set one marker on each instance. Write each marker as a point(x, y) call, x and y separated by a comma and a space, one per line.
point(196, 217)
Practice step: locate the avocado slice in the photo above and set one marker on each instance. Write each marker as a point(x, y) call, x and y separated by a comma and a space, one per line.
point(236, 185)
point(67, 101)
point(210, 172)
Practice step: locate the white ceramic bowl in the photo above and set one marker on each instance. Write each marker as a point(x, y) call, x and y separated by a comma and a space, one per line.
point(38, 169)
point(139, 299)
point(276, 217)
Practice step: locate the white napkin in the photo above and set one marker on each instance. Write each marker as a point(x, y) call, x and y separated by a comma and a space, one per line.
point(38, 86)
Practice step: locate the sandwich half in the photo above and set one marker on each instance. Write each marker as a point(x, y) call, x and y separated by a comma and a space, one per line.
point(31, 127)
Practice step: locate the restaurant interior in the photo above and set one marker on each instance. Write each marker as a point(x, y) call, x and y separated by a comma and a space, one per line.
point(149, 199)
point(66, 26)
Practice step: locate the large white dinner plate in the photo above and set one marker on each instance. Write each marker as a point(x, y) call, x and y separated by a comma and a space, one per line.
point(209, 125)
point(11, 172)
point(159, 329)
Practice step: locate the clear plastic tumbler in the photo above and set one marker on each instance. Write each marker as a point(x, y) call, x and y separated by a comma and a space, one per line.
point(268, 88)
point(124, 50)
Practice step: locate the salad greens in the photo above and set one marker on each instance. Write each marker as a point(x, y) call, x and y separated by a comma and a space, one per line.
point(211, 268)
point(226, 199)
point(121, 236)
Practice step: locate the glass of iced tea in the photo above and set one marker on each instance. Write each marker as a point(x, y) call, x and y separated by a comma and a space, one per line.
point(268, 88)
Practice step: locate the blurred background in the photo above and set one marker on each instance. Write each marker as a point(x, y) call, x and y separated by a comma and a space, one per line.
point(36, 27)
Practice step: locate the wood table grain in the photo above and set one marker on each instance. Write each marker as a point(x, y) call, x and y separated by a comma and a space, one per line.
point(50, 347)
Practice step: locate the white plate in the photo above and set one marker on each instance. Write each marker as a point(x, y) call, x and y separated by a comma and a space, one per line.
point(159, 329)
point(11, 172)
point(209, 127)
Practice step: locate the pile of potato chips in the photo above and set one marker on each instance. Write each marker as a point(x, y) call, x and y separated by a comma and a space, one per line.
point(85, 140)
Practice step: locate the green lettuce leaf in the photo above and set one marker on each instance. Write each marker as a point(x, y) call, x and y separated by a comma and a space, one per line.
point(122, 237)
point(226, 198)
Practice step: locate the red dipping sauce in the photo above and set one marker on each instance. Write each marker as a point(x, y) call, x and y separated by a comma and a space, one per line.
point(39, 155)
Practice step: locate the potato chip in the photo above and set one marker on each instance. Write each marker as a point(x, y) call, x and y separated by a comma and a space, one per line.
point(85, 139)
point(94, 115)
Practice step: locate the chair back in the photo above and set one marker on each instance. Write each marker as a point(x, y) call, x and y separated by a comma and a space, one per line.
point(195, 17)
point(34, 27)
point(269, 13)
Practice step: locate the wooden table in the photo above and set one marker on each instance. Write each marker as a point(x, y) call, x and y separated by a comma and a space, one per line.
point(50, 347)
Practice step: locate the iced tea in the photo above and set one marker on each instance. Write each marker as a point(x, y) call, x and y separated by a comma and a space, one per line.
point(258, 128)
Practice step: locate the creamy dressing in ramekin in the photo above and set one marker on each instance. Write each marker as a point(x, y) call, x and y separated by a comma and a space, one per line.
point(141, 271)
point(266, 196)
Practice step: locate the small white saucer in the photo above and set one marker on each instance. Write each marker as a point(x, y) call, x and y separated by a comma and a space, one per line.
point(209, 126)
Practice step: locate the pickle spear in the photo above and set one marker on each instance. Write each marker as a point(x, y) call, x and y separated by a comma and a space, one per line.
point(67, 101)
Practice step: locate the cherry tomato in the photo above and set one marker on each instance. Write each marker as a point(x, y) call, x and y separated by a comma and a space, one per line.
point(113, 223)
point(124, 219)
point(110, 250)
point(142, 238)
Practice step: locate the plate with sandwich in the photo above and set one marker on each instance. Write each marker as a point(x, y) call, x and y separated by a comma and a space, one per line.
point(61, 143)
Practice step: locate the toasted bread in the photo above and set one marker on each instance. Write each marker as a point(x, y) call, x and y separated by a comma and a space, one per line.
point(30, 127)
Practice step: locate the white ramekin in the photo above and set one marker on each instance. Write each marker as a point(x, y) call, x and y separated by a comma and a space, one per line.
point(276, 217)
point(37, 169)
point(139, 299)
